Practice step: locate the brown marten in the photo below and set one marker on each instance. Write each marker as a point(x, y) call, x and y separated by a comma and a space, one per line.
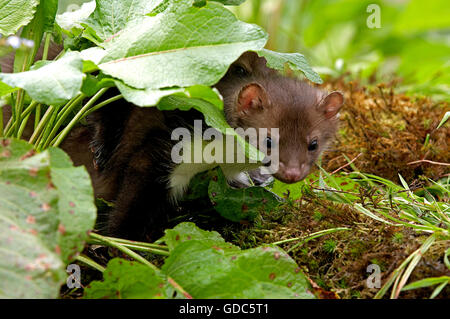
point(127, 149)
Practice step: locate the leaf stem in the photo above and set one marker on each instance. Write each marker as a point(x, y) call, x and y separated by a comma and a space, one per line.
point(46, 45)
point(37, 116)
point(86, 260)
point(123, 249)
point(101, 104)
point(23, 125)
point(62, 115)
point(41, 124)
point(19, 108)
point(10, 126)
point(77, 117)
point(139, 258)
point(309, 237)
point(138, 248)
point(138, 243)
point(48, 127)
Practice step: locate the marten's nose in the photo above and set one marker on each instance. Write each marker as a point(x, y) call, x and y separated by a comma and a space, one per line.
point(292, 174)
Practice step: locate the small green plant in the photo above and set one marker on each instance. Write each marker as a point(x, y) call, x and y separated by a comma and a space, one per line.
point(317, 216)
point(397, 238)
point(329, 246)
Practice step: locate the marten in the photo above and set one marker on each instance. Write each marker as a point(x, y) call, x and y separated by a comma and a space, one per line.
point(127, 149)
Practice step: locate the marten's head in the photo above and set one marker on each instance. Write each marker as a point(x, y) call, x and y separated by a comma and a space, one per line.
point(307, 117)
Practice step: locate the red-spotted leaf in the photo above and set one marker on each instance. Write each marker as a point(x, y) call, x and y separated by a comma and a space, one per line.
point(125, 279)
point(46, 209)
point(207, 267)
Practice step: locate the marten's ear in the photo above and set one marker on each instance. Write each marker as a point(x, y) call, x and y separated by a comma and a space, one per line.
point(331, 104)
point(251, 97)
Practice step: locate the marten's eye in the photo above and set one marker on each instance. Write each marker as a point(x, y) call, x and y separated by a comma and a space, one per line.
point(268, 142)
point(312, 146)
point(239, 71)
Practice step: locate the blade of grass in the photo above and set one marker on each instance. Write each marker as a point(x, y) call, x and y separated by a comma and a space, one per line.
point(438, 289)
point(309, 237)
point(421, 251)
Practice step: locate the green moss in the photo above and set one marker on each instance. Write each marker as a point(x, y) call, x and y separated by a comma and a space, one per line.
point(317, 216)
point(397, 238)
point(329, 246)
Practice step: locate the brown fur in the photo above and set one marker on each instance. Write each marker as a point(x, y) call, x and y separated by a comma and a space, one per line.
point(291, 105)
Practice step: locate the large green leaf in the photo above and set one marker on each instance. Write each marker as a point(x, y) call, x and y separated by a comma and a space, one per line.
point(46, 209)
point(110, 17)
point(77, 211)
point(296, 61)
point(207, 267)
point(181, 46)
point(144, 97)
point(15, 14)
point(54, 83)
point(50, 7)
point(125, 279)
point(43, 21)
point(188, 231)
point(6, 89)
point(73, 19)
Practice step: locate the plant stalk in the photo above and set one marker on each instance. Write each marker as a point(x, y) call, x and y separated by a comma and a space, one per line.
point(86, 260)
point(41, 124)
point(77, 117)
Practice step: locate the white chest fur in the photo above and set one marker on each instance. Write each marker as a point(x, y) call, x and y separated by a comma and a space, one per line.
point(197, 157)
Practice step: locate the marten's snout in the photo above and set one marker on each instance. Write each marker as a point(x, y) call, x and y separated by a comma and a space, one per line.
point(292, 173)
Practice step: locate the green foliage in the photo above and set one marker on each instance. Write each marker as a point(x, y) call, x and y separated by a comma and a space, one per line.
point(54, 83)
point(329, 246)
point(43, 21)
point(239, 204)
point(125, 279)
point(202, 265)
point(412, 41)
point(111, 17)
point(6, 89)
point(16, 14)
point(263, 272)
point(47, 207)
point(158, 44)
point(70, 21)
point(296, 61)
